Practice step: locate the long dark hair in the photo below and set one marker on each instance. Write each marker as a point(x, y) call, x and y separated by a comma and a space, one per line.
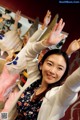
point(58, 83)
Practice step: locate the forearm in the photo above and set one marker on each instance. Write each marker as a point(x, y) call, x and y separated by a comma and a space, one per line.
point(73, 81)
point(28, 53)
point(26, 56)
point(36, 35)
point(68, 52)
point(69, 90)
point(15, 26)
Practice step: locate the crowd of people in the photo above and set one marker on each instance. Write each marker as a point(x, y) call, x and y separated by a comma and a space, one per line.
point(48, 91)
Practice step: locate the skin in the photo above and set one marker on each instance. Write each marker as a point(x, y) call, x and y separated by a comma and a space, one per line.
point(53, 69)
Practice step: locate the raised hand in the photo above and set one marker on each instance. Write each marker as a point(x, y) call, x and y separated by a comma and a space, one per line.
point(47, 19)
point(18, 16)
point(55, 35)
point(74, 46)
point(26, 38)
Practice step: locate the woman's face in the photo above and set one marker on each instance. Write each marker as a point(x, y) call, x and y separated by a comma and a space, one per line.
point(53, 68)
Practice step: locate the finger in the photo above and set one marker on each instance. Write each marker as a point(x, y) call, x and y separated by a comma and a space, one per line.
point(49, 17)
point(55, 27)
point(79, 40)
point(48, 12)
point(61, 25)
point(77, 44)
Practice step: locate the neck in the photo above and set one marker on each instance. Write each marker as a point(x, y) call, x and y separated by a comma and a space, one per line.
point(42, 88)
point(44, 85)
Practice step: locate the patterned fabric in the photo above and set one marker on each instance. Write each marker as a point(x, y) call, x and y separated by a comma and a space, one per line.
point(23, 77)
point(27, 109)
point(1, 36)
point(14, 62)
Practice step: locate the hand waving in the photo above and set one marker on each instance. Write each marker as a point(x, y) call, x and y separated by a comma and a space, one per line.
point(74, 46)
point(47, 18)
point(18, 16)
point(55, 35)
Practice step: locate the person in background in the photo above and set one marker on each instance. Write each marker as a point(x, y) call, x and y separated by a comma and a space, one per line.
point(71, 49)
point(10, 41)
point(8, 79)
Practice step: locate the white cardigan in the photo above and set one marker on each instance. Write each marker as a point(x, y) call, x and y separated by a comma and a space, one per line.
point(11, 42)
point(58, 99)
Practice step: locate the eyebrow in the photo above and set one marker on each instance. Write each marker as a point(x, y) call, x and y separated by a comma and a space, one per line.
point(58, 64)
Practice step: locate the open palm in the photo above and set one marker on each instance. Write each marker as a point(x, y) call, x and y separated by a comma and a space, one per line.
point(55, 35)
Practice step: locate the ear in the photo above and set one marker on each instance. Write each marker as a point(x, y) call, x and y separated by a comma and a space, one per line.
point(40, 66)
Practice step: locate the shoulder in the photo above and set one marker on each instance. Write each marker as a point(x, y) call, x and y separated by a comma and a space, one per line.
point(52, 92)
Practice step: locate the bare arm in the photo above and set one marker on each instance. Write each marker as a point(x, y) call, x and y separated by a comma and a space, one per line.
point(46, 20)
point(17, 18)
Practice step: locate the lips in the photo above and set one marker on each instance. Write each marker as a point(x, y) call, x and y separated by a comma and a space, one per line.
point(50, 76)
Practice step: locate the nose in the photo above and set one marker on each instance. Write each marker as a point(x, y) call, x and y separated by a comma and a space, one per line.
point(53, 70)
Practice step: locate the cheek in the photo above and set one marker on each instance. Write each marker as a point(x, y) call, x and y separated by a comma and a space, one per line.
point(44, 68)
point(61, 74)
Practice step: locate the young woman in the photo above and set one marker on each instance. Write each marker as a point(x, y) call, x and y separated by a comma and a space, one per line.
point(10, 41)
point(8, 77)
point(53, 68)
point(9, 81)
point(44, 96)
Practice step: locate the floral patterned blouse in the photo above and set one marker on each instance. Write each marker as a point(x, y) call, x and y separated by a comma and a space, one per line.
point(27, 109)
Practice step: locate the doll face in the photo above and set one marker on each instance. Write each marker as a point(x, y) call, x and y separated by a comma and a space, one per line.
point(53, 68)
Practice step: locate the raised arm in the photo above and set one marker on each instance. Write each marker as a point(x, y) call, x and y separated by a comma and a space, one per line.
point(29, 52)
point(17, 18)
point(31, 49)
point(74, 46)
point(67, 95)
point(53, 39)
point(45, 23)
point(55, 36)
point(46, 20)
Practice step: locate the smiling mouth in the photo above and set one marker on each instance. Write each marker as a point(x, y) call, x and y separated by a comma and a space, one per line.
point(50, 76)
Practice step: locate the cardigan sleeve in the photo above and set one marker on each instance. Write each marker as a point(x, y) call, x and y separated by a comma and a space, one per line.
point(70, 88)
point(27, 54)
point(66, 95)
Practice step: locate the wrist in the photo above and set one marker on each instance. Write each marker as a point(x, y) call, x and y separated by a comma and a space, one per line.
point(68, 52)
point(43, 26)
point(45, 42)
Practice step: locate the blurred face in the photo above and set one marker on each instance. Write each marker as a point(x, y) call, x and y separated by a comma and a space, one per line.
point(53, 69)
point(42, 54)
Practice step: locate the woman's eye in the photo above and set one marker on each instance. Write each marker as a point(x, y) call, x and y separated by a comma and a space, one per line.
point(50, 64)
point(60, 68)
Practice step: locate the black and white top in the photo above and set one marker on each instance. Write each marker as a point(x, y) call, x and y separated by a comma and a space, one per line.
point(28, 109)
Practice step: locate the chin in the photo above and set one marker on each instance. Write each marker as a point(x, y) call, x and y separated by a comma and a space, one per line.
point(50, 81)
